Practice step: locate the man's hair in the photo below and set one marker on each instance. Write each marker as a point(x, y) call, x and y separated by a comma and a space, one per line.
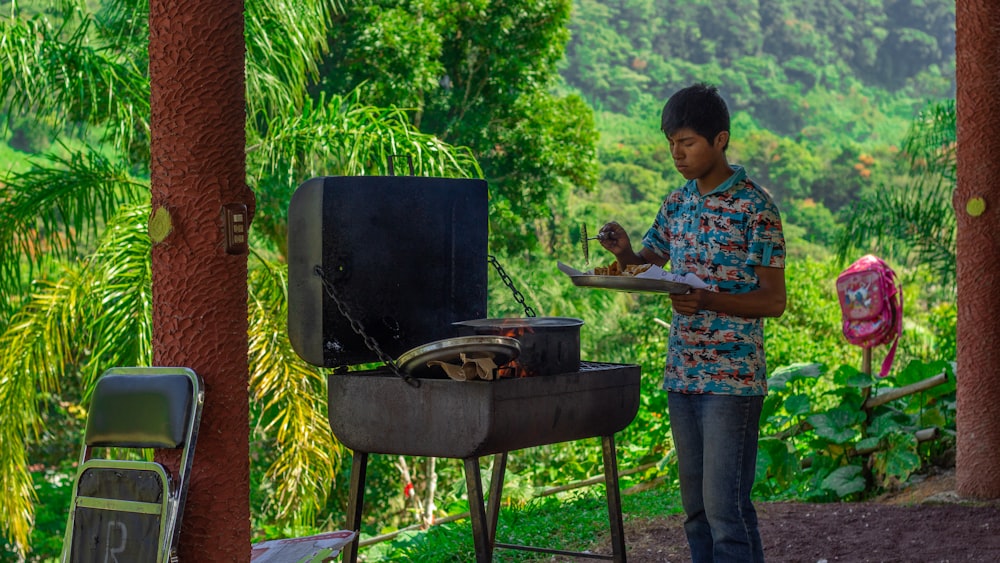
point(699, 108)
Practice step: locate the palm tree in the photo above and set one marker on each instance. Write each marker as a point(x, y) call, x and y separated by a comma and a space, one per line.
point(75, 293)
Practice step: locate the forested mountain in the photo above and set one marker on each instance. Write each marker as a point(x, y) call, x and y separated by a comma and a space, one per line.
point(764, 53)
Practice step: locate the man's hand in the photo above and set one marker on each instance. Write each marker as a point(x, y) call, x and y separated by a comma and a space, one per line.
point(691, 302)
point(614, 239)
point(768, 300)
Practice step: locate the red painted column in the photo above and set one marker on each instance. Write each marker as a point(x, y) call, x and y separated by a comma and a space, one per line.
point(196, 67)
point(978, 375)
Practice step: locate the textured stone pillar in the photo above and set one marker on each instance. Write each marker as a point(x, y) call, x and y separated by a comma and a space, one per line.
point(198, 168)
point(977, 206)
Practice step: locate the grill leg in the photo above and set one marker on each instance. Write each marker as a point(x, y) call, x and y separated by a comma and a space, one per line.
point(614, 498)
point(355, 504)
point(480, 529)
point(496, 495)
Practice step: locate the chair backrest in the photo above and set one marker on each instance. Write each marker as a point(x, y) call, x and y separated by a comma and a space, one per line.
point(123, 509)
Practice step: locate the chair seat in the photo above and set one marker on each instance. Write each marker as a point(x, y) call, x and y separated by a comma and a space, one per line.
point(127, 481)
point(119, 510)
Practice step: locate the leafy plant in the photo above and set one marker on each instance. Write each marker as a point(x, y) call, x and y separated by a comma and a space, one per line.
point(848, 442)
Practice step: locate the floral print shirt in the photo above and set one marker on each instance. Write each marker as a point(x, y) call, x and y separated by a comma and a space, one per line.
point(720, 237)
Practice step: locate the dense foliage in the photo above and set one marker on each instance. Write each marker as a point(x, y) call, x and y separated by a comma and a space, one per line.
point(830, 113)
point(763, 52)
point(477, 74)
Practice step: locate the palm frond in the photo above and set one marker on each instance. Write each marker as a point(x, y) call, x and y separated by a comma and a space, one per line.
point(125, 24)
point(289, 399)
point(341, 137)
point(67, 73)
point(96, 315)
point(118, 302)
point(58, 207)
point(908, 226)
point(34, 351)
point(346, 137)
point(914, 223)
point(17, 504)
point(285, 42)
point(931, 144)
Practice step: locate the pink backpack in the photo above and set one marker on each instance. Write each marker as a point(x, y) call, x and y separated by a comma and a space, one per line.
point(871, 302)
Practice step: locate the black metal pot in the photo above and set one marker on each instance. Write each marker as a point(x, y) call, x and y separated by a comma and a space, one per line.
point(549, 345)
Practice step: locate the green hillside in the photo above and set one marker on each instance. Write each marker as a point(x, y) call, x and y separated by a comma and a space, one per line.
point(822, 93)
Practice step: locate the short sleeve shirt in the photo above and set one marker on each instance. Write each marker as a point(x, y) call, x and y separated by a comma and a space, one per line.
point(720, 237)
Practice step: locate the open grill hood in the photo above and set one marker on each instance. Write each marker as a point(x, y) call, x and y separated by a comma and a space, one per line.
point(407, 255)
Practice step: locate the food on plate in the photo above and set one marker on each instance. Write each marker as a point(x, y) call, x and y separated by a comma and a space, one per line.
point(615, 269)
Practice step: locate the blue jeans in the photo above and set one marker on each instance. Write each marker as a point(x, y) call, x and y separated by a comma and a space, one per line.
point(716, 441)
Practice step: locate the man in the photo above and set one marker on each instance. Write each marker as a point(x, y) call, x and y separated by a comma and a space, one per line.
point(725, 229)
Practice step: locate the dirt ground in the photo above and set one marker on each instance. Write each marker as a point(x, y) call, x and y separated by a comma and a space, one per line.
point(925, 522)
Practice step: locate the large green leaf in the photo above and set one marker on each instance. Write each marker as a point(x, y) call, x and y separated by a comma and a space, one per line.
point(870, 442)
point(777, 461)
point(888, 422)
point(845, 481)
point(839, 425)
point(916, 371)
point(852, 377)
point(898, 460)
point(782, 376)
point(797, 404)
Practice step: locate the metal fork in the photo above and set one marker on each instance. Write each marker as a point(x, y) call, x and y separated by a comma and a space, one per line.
point(585, 241)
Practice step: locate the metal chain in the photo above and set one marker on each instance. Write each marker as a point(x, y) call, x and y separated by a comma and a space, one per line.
point(359, 329)
point(528, 311)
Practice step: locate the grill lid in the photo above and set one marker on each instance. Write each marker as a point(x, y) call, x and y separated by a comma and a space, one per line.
point(407, 255)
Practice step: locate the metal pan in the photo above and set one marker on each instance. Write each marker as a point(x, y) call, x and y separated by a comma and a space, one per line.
point(630, 283)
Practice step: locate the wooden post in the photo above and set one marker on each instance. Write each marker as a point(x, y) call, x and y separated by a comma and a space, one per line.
point(977, 213)
point(199, 196)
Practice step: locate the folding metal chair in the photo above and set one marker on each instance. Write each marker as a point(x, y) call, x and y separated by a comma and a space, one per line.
point(127, 510)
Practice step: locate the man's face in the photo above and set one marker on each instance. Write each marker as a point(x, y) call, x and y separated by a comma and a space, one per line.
point(694, 156)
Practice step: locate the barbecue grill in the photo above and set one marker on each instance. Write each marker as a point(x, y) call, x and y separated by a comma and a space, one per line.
point(379, 265)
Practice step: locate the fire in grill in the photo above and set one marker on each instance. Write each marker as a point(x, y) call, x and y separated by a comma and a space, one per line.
point(380, 265)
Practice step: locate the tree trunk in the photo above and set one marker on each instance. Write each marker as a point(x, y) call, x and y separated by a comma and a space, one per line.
point(198, 168)
point(977, 207)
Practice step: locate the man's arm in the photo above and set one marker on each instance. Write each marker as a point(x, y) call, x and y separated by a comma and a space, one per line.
point(768, 300)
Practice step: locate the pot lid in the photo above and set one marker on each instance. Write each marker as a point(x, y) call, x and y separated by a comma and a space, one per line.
point(450, 350)
point(517, 322)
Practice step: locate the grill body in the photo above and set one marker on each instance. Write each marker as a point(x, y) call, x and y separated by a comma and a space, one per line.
point(378, 412)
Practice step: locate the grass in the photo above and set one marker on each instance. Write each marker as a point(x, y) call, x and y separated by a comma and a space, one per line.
point(576, 521)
